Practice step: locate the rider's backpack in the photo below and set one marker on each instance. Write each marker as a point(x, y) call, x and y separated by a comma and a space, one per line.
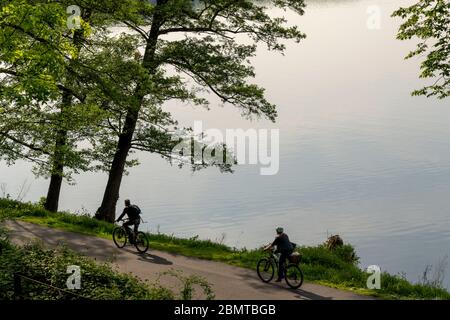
point(136, 210)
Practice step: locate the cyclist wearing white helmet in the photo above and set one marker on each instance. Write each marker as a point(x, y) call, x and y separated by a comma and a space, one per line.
point(284, 247)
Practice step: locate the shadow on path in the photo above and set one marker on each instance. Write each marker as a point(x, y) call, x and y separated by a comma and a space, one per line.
point(302, 294)
point(150, 258)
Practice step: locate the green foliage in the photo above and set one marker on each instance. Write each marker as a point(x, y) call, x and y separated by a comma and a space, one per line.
point(429, 21)
point(320, 255)
point(68, 96)
point(189, 283)
point(99, 282)
point(44, 116)
point(41, 202)
point(209, 58)
point(397, 286)
point(346, 253)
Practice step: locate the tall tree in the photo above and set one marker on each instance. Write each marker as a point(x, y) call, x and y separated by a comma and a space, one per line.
point(64, 93)
point(44, 115)
point(210, 44)
point(429, 21)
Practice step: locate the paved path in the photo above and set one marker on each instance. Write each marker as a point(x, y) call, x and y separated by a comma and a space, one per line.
point(228, 282)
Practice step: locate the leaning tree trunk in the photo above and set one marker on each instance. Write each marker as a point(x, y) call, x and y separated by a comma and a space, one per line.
point(107, 210)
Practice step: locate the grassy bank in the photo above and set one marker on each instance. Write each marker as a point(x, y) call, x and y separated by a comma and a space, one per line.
point(337, 268)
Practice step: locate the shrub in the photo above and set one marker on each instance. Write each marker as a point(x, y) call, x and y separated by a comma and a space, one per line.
point(99, 281)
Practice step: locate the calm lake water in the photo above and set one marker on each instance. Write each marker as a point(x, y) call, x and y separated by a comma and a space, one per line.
point(359, 156)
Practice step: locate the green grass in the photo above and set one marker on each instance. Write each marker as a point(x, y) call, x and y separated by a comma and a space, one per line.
point(337, 268)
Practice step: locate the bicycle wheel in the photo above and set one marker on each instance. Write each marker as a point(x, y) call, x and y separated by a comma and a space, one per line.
point(120, 237)
point(265, 269)
point(141, 242)
point(294, 276)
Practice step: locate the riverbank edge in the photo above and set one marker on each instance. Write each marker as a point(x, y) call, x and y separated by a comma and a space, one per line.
point(337, 269)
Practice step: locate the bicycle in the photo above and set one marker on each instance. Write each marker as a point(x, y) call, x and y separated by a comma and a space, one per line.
point(293, 275)
point(121, 237)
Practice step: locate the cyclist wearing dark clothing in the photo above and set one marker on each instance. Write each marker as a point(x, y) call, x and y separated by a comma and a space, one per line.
point(284, 247)
point(134, 219)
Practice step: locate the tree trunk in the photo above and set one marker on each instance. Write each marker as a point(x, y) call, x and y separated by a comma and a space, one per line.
point(107, 210)
point(56, 179)
point(54, 189)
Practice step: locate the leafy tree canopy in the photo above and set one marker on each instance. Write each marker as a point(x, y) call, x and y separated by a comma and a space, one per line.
point(429, 21)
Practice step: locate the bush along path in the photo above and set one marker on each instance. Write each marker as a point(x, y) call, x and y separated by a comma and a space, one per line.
point(33, 272)
point(326, 269)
